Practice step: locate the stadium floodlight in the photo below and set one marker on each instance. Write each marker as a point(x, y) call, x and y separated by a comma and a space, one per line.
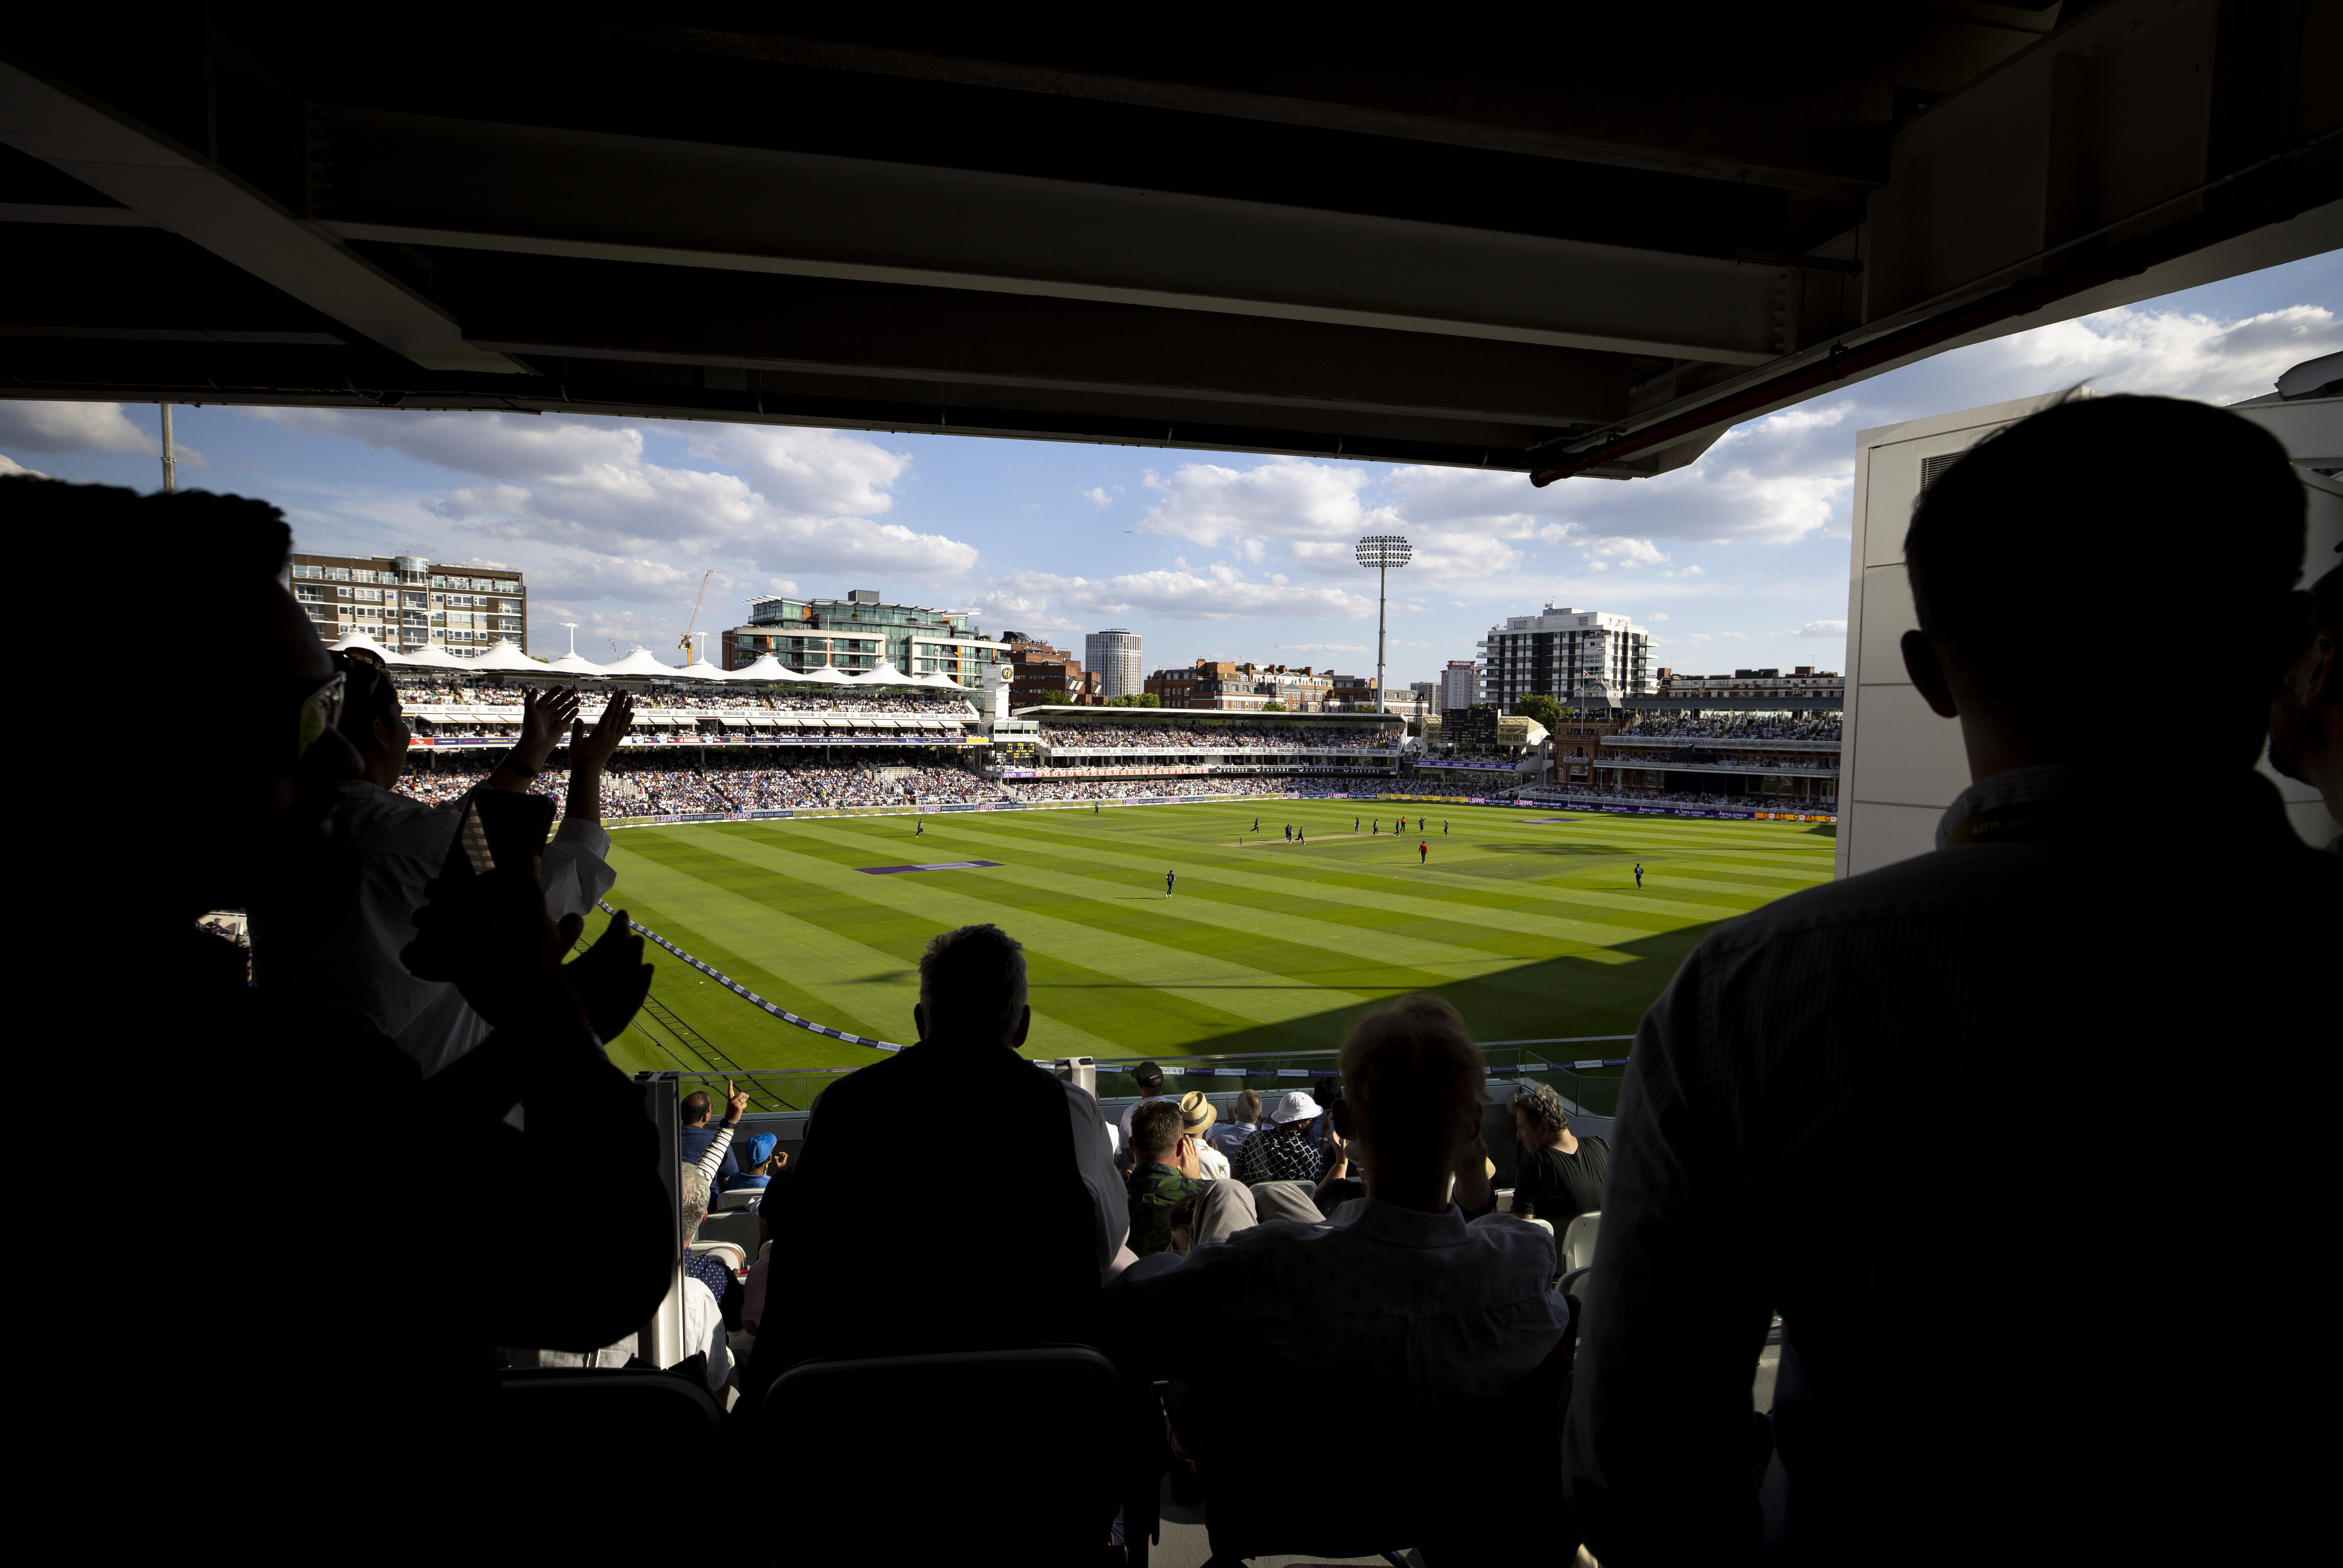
point(1383, 552)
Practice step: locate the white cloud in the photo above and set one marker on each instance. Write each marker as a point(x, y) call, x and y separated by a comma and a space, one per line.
point(1735, 635)
point(1333, 646)
point(2168, 353)
point(71, 427)
point(1097, 496)
point(1219, 593)
point(1822, 628)
point(1626, 551)
point(1692, 571)
point(1696, 638)
point(9, 465)
point(1656, 617)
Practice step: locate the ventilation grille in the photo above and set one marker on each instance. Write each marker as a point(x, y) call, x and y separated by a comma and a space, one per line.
point(1933, 468)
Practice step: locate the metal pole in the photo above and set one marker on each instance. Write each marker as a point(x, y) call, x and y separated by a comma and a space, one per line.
point(170, 458)
point(1382, 584)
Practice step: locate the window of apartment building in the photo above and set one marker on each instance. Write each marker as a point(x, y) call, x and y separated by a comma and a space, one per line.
point(338, 574)
point(300, 571)
point(369, 595)
point(308, 593)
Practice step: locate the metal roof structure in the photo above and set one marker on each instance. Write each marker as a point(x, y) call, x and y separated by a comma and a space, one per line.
point(1584, 240)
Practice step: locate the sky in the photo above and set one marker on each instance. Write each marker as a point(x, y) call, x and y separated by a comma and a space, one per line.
point(1739, 560)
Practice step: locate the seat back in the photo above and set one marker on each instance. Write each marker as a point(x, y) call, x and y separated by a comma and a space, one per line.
point(734, 1257)
point(1578, 1241)
point(1021, 1443)
point(1417, 1488)
point(742, 1228)
point(739, 1197)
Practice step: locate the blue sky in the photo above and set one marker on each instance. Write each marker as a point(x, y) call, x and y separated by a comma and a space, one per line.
point(1738, 560)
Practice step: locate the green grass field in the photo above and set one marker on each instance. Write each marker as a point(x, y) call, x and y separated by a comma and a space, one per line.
point(1534, 930)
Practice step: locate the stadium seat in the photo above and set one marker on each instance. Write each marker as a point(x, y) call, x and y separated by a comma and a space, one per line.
point(1578, 1245)
point(730, 1250)
point(559, 1428)
point(1413, 1486)
point(740, 1198)
point(904, 1455)
point(740, 1227)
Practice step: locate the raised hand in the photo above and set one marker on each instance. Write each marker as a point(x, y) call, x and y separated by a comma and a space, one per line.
point(545, 713)
point(594, 749)
point(612, 979)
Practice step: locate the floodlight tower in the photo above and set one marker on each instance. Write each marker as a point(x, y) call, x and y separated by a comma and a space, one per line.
point(1383, 552)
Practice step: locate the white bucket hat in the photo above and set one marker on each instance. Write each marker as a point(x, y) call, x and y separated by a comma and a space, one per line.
point(1296, 1107)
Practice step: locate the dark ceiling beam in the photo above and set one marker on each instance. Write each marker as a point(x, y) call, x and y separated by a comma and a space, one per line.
point(420, 180)
point(177, 189)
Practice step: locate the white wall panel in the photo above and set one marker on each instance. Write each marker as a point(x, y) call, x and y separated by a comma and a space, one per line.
point(1911, 757)
point(1883, 834)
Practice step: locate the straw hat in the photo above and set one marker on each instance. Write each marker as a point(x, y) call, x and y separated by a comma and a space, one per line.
point(1196, 1113)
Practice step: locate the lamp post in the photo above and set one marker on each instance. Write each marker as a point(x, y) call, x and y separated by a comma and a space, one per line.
point(1383, 552)
point(573, 636)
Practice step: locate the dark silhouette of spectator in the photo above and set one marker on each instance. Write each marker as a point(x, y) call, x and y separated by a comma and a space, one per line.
point(1396, 1300)
point(427, 1291)
point(1808, 1125)
point(2307, 716)
point(863, 1235)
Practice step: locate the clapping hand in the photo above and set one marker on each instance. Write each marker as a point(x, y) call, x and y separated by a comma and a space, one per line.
point(544, 715)
point(594, 749)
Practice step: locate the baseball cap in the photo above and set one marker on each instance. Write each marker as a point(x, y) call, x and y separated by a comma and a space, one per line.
point(760, 1148)
point(1147, 1074)
point(1297, 1105)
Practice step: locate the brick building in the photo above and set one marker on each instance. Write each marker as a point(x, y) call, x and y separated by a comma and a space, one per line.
point(1040, 673)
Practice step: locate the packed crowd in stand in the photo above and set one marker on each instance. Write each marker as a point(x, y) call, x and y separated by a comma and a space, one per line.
point(635, 786)
point(1687, 797)
point(1469, 786)
point(1132, 788)
point(417, 692)
point(1734, 727)
point(1218, 738)
point(1676, 760)
point(1328, 1328)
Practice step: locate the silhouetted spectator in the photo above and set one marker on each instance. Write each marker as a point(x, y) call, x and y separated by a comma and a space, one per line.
point(429, 1290)
point(1559, 1175)
point(867, 1260)
point(1396, 1300)
point(2307, 716)
point(1808, 1111)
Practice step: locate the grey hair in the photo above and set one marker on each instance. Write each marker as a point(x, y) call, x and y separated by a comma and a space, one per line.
point(1539, 1102)
point(693, 1202)
point(1247, 1105)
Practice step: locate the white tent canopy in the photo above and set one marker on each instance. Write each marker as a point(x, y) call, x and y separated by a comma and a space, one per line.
point(883, 674)
point(639, 662)
point(700, 669)
point(574, 664)
point(359, 642)
point(506, 656)
point(431, 655)
point(822, 675)
point(937, 678)
point(766, 667)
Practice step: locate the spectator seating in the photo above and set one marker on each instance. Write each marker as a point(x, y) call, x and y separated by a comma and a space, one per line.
point(1021, 1439)
point(590, 1415)
point(738, 1227)
point(1576, 1244)
point(730, 1252)
point(1424, 1481)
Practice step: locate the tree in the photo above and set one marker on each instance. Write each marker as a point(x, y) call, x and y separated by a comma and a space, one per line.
point(1056, 699)
point(1272, 706)
point(1136, 700)
point(1542, 708)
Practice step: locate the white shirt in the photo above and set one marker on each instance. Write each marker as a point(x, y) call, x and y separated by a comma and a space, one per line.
point(1211, 1160)
point(335, 945)
point(703, 1329)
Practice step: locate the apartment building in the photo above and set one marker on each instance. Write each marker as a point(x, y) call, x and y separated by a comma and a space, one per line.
point(1459, 686)
point(1114, 658)
point(1040, 673)
point(1580, 658)
point(1250, 687)
point(860, 632)
point(1804, 685)
point(406, 602)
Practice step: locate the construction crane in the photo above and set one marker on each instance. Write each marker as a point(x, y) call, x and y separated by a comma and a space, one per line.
point(695, 614)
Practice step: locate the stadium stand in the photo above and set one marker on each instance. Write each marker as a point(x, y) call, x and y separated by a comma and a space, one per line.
point(1124, 737)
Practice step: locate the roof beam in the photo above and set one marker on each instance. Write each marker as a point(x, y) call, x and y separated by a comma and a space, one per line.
point(174, 188)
